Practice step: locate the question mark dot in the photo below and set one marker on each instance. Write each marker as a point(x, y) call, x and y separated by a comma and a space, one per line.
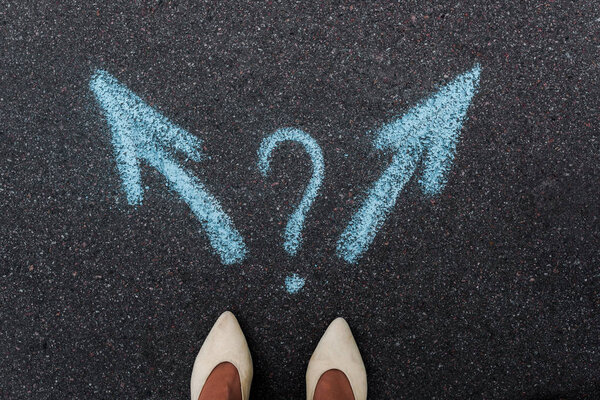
point(294, 283)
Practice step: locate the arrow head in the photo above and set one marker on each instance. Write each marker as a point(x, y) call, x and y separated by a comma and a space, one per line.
point(433, 126)
point(138, 130)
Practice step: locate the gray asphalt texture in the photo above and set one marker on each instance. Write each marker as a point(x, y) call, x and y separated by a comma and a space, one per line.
point(489, 291)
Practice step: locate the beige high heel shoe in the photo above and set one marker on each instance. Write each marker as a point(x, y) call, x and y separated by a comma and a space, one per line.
point(224, 343)
point(337, 350)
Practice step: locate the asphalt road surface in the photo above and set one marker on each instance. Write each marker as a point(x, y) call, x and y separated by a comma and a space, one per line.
point(489, 289)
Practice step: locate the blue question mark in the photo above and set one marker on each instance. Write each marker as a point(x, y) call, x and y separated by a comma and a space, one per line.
point(293, 229)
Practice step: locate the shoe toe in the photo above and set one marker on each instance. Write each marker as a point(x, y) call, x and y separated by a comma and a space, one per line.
point(337, 349)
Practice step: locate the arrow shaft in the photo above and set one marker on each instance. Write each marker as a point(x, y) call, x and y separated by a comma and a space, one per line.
point(380, 200)
point(129, 168)
point(221, 233)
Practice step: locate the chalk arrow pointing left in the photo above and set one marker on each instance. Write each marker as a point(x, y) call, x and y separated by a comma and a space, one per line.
point(140, 133)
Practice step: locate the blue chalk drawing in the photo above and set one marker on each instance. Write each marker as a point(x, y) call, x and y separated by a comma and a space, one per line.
point(294, 283)
point(431, 127)
point(140, 133)
point(293, 229)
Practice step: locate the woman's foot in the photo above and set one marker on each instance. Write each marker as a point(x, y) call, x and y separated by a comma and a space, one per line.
point(223, 383)
point(333, 384)
point(336, 370)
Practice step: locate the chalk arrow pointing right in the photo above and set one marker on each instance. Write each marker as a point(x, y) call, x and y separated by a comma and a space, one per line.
point(140, 133)
point(431, 128)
